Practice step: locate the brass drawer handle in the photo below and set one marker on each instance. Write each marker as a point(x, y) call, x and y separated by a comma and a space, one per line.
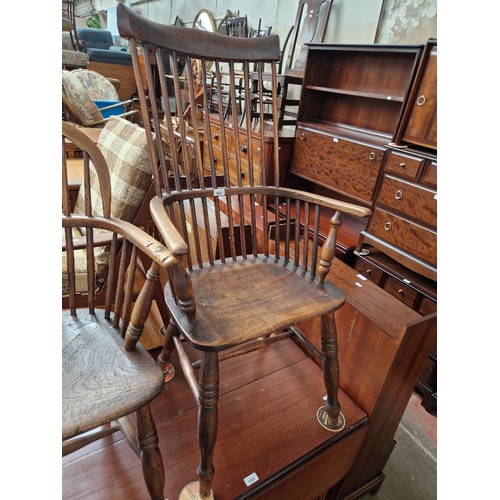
point(368, 271)
point(421, 100)
point(243, 149)
point(302, 136)
point(372, 156)
point(398, 194)
point(402, 165)
point(387, 226)
point(216, 135)
point(401, 291)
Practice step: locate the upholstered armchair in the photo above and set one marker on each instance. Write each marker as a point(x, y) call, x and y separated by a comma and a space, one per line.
point(99, 46)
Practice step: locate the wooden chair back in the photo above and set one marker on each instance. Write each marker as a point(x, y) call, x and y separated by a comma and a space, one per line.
point(310, 26)
point(212, 153)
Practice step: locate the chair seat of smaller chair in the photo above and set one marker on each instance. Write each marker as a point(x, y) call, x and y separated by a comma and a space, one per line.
point(98, 373)
point(242, 300)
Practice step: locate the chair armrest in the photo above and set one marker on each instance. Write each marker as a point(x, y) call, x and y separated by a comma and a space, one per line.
point(142, 240)
point(324, 201)
point(171, 236)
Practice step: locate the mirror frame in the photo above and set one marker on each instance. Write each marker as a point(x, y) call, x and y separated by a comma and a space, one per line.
point(196, 24)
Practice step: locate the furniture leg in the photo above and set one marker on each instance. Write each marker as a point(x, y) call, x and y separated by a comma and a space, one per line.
point(152, 463)
point(207, 420)
point(329, 415)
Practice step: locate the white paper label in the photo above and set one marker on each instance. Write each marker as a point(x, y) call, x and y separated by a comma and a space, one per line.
point(252, 478)
point(219, 192)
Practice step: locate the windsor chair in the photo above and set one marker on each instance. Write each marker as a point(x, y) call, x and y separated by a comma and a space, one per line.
point(106, 374)
point(246, 272)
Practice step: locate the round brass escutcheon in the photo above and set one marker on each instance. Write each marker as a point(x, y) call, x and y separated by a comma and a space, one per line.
point(387, 226)
point(398, 194)
point(302, 136)
point(325, 421)
point(372, 156)
point(421, 100)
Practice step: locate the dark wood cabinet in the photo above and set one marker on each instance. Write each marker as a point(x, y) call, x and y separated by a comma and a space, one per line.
point(350, 107)
point(366, 132)
point(401, 235)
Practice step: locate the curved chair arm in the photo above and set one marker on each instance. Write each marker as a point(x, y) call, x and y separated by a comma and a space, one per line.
point(171, 236)
point(142, 240)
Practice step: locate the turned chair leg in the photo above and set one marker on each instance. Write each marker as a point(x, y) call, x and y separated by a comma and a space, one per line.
point(207, 420)
point(152, 462)
point(330, 416)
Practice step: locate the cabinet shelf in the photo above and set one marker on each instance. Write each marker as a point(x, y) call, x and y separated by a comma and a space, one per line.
point(356, 93)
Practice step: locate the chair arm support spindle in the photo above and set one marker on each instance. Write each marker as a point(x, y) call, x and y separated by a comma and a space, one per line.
point(142, 308)
point(328, 249)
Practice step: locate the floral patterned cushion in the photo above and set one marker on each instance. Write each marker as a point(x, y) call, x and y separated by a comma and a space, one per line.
point(79, 100)
point(97, 85)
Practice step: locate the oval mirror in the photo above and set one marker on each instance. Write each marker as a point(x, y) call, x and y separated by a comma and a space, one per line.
point(204, 21)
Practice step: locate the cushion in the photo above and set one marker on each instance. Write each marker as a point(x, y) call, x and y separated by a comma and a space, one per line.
point(124, 147)
point(98, 86)
point(79, 100)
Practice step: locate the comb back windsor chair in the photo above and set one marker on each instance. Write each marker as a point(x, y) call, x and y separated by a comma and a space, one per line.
point(246, 274)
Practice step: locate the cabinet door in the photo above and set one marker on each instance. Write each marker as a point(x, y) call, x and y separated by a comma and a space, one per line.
point(422, 123)
point(337, 163)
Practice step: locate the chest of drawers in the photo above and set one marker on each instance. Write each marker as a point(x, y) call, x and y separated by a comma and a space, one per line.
point(225, 142)
point(404, 220)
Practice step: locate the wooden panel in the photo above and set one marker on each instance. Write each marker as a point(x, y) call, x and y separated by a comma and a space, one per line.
point(416, 201)
point(410, 237)
point(421, 128)
point(403, 165)
point(337, 163)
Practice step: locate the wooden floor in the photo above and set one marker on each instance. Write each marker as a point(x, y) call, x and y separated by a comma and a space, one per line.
point(267, 421)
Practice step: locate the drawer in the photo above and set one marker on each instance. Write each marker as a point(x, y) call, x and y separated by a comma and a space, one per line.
point(256, 149)
point(343, 165)
point(403, 165)
point(426, 306)
point(414, 200)
point(216, 134)
point(404, 234)
point(401, 291)
point(429, 175)
point(370, 272)
point(233, 176)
